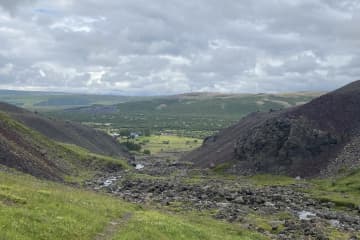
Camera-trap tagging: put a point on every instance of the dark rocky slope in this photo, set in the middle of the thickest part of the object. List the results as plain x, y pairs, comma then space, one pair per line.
67, 132
302, 141
25, 150
29, 151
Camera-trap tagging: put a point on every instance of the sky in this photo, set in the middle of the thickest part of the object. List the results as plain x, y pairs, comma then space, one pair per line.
142, 47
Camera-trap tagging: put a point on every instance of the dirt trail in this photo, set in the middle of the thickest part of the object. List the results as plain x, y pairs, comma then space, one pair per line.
113, 227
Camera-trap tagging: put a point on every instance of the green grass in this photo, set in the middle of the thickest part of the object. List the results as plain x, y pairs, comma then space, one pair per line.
31, 209
157, 144
343, 191
47, 101
80, 164
85, 155
94, 163
221, 168
271, 180
193, 116
152, 225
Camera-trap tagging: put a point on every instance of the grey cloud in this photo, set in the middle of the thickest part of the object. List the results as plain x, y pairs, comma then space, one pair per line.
12, 5
162, 47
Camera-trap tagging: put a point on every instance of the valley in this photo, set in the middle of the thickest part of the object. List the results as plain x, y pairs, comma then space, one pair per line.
166, 197
145, 183
275, 207
195, 115
179, 120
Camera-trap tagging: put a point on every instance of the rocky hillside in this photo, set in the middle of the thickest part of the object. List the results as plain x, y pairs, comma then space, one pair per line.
66, 131
301, 141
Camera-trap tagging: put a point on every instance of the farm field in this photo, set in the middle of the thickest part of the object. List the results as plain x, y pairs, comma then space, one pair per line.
161, 143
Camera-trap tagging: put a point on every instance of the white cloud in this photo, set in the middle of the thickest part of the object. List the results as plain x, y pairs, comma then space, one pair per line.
76, 24
42, 73
176, 60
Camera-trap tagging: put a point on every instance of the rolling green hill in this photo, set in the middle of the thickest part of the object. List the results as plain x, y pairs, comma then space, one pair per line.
197, 114
42, 101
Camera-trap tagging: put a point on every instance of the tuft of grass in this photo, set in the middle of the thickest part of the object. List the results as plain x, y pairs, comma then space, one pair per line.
8, 198
265, 222
221, 168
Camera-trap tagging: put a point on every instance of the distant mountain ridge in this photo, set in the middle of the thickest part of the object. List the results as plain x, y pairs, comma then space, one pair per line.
300, 141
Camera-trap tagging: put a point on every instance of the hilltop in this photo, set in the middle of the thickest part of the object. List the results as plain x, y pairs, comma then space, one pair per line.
318, 137
56, 100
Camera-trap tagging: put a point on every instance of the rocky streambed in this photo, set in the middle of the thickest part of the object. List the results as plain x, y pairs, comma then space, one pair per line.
279, 212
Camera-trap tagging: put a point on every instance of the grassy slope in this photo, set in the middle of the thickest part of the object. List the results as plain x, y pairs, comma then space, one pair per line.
93, 162
153, 225
51, 101
344, 191
76, 162
34, 209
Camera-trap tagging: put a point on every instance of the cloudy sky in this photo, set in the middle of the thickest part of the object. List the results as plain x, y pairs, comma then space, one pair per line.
137, 47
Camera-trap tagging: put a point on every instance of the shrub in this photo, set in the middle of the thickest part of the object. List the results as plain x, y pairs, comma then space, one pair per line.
132, 146
147, 152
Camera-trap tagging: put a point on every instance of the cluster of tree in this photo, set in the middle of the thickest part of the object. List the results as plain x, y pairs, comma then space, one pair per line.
132, 146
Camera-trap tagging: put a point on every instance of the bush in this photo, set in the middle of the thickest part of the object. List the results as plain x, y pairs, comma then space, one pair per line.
147, 152
125, 133
132, 146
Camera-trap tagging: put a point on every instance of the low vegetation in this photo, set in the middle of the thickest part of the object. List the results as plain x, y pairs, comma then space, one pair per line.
35, 209
47, 157
163, 143
262, 180
153, 225
344, 191
196, 115
45, 101
94, 163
